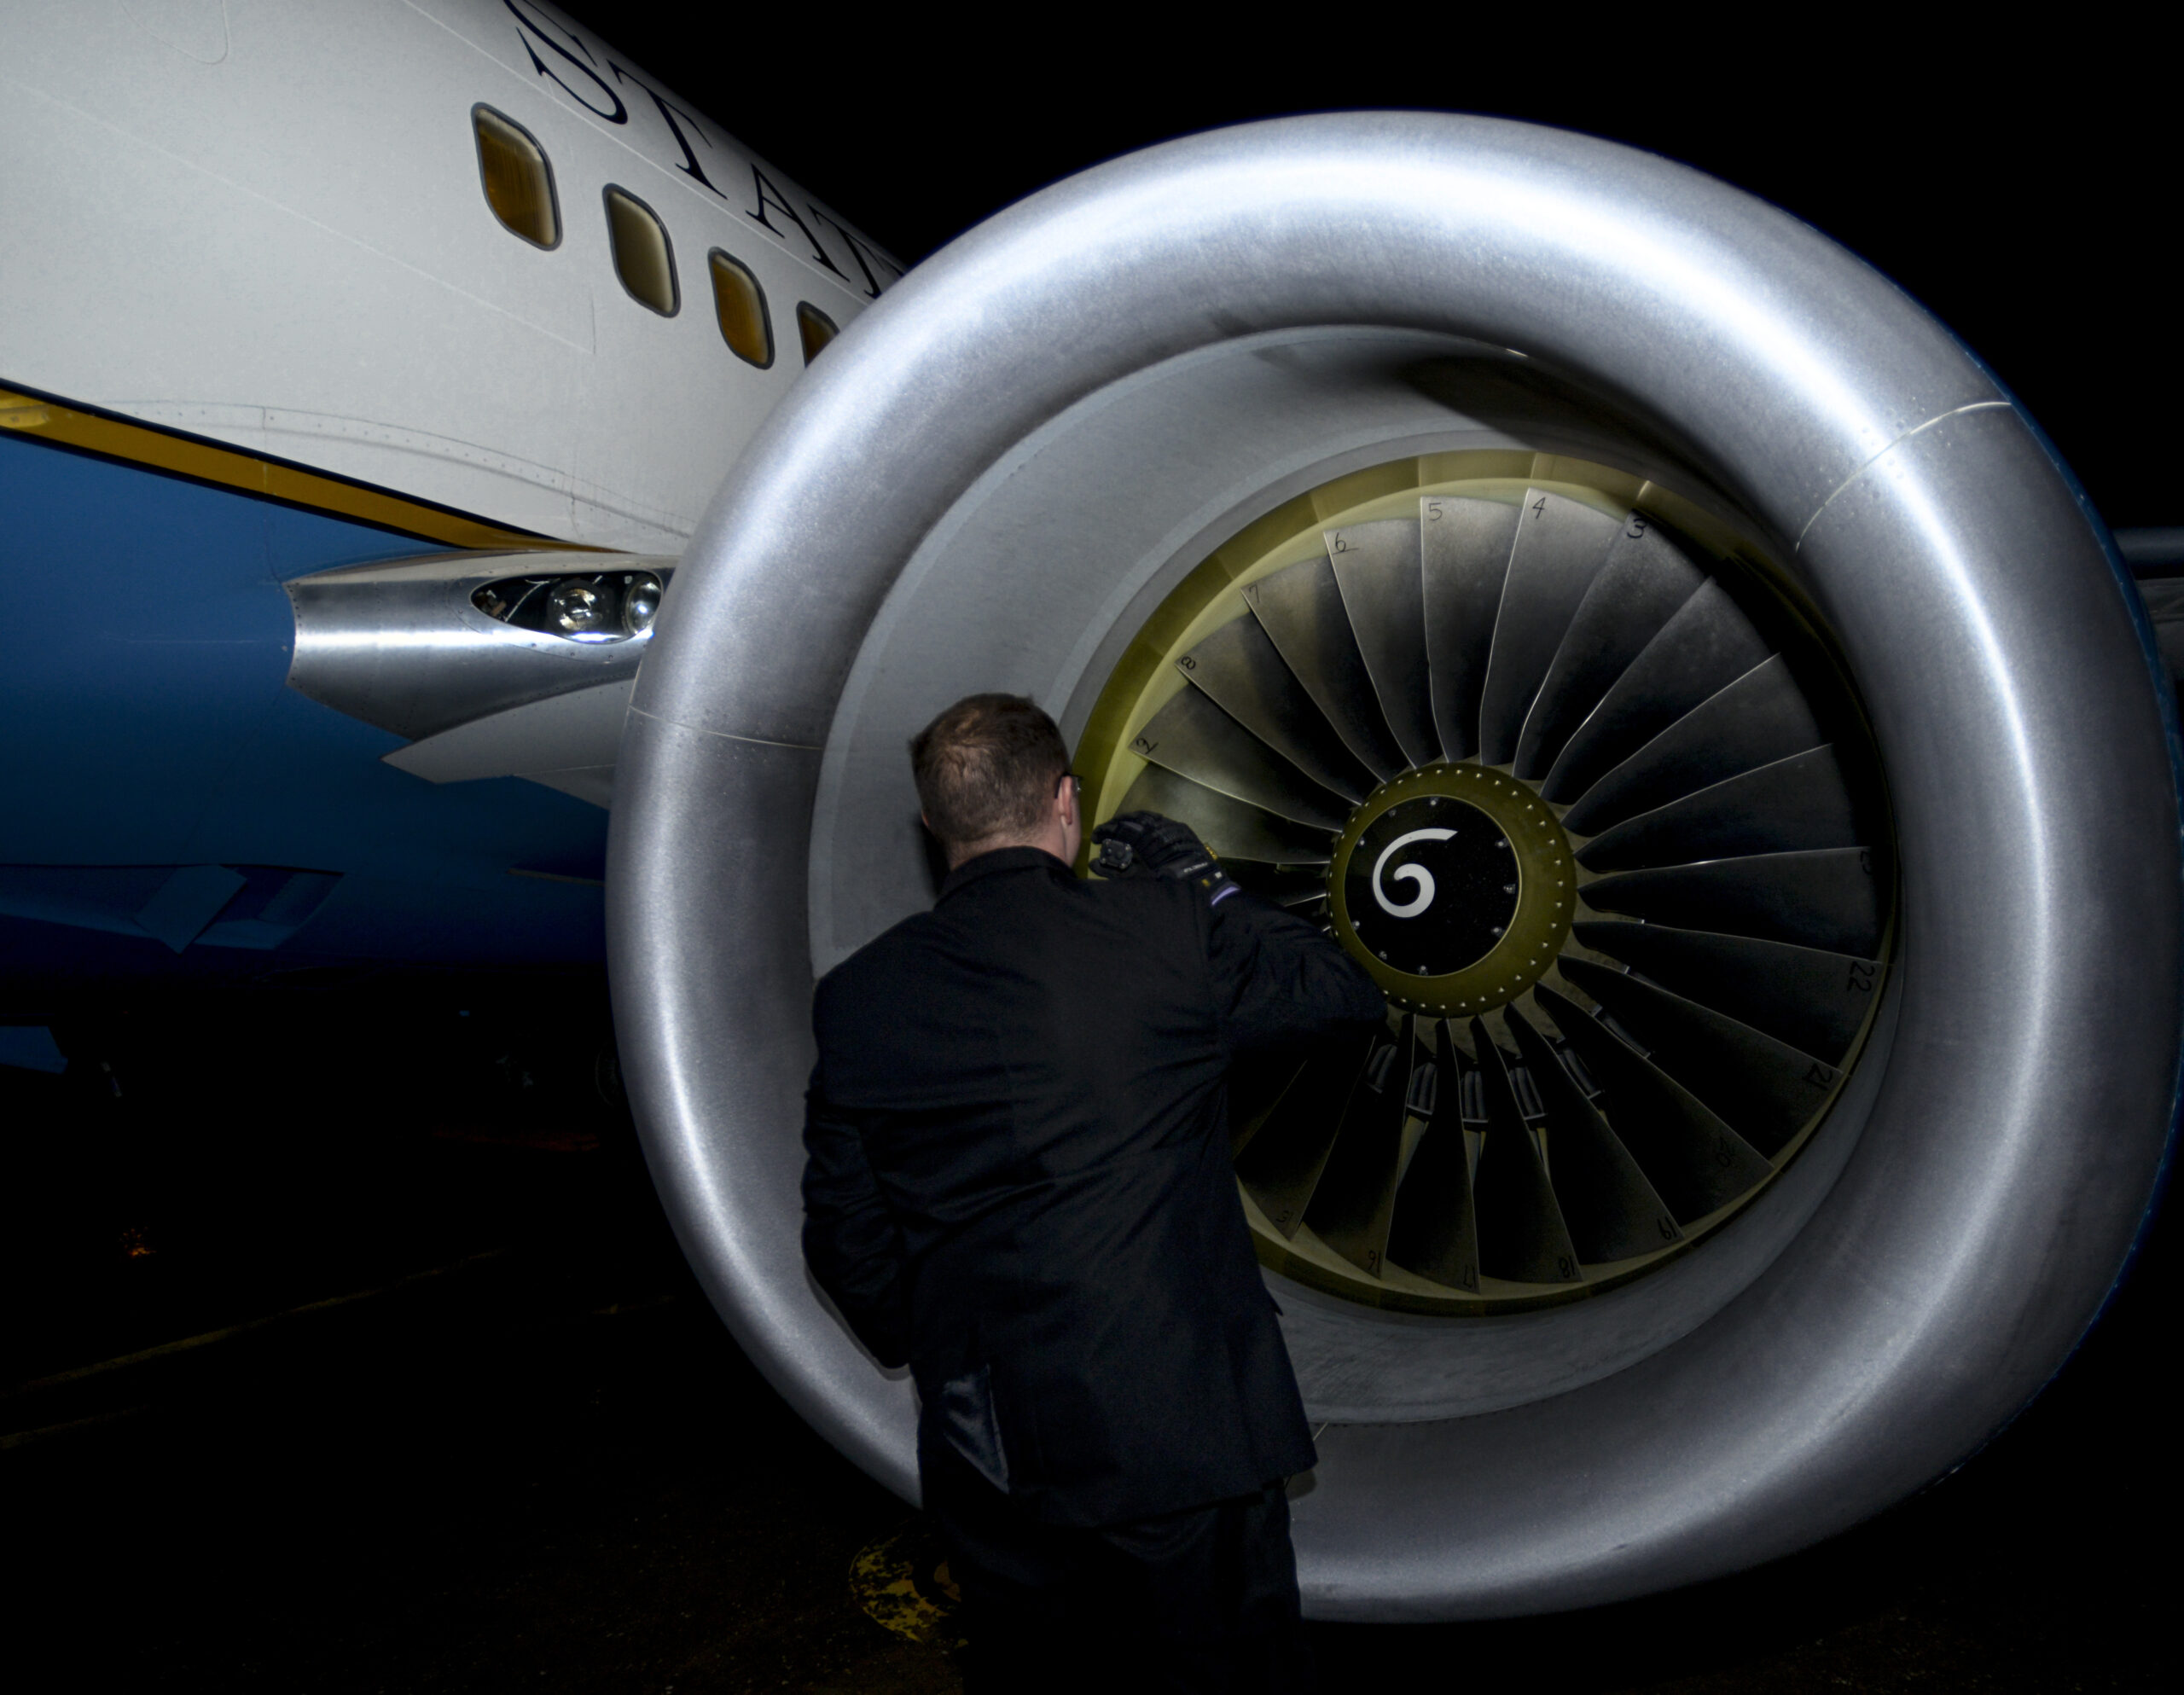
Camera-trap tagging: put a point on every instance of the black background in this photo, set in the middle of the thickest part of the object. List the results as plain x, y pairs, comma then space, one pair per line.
2022, 183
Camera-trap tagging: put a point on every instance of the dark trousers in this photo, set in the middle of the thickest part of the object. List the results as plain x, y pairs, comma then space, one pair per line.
1200, 1600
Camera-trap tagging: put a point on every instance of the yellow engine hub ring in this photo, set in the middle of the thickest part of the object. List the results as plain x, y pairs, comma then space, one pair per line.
1523, 876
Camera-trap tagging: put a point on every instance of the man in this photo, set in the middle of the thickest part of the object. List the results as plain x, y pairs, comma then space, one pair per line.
1018, 1182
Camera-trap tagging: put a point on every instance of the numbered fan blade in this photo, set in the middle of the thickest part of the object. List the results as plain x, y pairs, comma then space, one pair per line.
1695, 1161
1464, 549
1434, 1231
1281, 1165
1559, 546
1767, 1089
1253, 1092
1301, 608
1815, 1002
1298, 887
1798, 803
1612, 1211
1351, 1206
1707, 646
1827, 899
1238, 668
1376, 565
1758, 719
1229, 827
1521, 1236
1193, 738
1645, 579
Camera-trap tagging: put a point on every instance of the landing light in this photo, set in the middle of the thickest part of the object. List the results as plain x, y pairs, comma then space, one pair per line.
613, 605
576, 610
641, 604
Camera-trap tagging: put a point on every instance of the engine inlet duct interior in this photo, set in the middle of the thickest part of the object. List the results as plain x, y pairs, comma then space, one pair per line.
1660, 653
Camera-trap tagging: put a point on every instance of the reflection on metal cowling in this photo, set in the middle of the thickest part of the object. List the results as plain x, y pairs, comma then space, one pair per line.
1630, 1086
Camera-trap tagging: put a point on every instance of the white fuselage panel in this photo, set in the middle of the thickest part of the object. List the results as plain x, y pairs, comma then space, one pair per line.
263, 224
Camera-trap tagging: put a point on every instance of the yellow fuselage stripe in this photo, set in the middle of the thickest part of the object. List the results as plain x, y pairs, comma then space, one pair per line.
204, 461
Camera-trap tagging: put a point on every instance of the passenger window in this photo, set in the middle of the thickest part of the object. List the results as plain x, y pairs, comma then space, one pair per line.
742, 305
519, 182
816, 329
642, 257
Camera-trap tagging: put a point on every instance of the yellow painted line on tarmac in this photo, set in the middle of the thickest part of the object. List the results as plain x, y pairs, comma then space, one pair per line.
185, 1344
24, 1438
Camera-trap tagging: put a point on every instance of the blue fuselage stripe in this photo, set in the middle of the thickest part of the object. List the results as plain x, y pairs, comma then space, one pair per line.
152, 726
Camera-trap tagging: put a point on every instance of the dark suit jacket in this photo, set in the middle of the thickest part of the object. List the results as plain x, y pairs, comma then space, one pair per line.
1018, 1178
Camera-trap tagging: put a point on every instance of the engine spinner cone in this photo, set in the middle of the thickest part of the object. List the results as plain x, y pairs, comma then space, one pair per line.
1454, 886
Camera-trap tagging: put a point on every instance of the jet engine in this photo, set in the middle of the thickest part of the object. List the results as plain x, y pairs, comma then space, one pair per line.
1662, 654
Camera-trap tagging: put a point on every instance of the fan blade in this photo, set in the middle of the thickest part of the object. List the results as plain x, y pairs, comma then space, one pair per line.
1434, 1232
1757, 720
1227, 826
1644, 580
1521, 1235
1707, 646
1797, 803
1767, 1090
1827, 899
1301, 607
1238, 669
1815, 1002
1350, 1208
1561, 545
1193, 738
1376, 566
1464, 556
1293, 886
1254, 1091
1281, 1165
1695, 1162
1611, 1209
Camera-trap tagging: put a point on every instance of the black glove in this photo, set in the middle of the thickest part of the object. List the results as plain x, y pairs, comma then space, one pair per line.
1147, 845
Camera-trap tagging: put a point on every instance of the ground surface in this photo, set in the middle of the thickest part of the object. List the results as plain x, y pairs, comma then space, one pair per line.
544, 1463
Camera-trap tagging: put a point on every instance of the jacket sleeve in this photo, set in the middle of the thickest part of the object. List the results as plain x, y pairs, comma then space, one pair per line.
850, 1239
1278, 978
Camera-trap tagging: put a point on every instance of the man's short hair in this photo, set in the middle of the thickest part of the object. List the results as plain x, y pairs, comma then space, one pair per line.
988, 766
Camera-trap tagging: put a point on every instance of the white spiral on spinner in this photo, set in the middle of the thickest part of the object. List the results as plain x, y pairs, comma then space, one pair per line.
1416, 874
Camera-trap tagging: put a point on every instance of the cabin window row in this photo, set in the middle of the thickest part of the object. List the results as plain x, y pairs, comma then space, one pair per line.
518, 183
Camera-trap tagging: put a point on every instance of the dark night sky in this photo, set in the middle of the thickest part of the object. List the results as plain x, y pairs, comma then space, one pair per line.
2017, 189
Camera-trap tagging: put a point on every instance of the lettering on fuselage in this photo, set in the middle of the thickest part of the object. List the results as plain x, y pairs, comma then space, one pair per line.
598, 90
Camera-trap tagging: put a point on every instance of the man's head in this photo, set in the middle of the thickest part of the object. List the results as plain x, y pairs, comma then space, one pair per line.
992, 772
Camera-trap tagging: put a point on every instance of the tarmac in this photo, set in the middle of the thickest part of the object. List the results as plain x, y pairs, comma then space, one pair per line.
407, 1389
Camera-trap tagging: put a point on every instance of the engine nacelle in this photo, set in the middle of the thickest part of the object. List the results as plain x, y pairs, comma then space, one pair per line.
1072, 448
